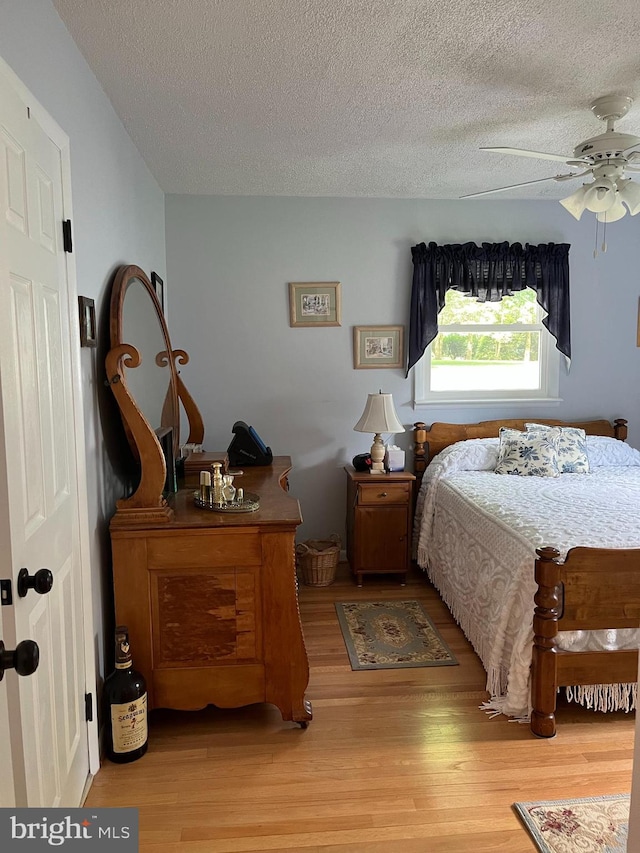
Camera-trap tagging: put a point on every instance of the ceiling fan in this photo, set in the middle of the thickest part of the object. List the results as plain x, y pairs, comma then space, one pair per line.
605, 158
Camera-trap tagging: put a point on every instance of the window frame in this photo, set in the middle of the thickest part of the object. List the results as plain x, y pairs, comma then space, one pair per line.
549, 370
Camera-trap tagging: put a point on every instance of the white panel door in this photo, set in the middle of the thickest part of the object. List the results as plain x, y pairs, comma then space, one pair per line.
47, 716
7, 793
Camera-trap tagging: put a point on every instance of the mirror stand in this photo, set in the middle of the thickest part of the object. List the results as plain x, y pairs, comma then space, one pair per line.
196, 424
142, 371
146, 503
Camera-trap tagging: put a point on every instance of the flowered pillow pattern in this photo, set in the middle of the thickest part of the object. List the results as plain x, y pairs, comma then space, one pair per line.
529, 454
572, 448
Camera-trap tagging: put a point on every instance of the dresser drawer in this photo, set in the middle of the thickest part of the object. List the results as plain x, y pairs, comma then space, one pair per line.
203, 549
372, 494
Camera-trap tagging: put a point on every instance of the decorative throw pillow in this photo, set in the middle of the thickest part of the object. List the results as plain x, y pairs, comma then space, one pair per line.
532, 454
572, 448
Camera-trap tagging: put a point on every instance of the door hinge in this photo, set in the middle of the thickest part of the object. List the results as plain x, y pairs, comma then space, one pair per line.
6, 593
67, 242
88, 707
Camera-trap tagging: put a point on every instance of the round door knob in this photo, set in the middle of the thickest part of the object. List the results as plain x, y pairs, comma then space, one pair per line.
41, 582
24, 659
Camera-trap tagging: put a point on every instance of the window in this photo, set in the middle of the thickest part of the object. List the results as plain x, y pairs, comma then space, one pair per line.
489, 351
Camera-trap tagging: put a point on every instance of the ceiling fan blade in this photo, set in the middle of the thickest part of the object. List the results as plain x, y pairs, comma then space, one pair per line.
521, 152
524, 184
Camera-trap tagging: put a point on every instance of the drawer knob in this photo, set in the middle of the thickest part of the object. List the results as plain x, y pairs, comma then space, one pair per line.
382, 495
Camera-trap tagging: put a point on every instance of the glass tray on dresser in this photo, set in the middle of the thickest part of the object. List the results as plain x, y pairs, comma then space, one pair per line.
251, 503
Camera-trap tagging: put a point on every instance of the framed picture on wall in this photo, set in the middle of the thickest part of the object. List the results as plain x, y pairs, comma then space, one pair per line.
378, 346
314, 303
158, 286
87, 312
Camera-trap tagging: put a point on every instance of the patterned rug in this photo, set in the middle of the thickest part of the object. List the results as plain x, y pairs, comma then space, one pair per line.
590, 825
391, 634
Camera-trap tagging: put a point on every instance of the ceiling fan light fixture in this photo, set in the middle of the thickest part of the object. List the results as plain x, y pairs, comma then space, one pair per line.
600, 195
604, 158
574, 203
615, 212
629, 193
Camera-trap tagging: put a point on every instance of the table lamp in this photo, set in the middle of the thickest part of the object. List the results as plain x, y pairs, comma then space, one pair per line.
379, 416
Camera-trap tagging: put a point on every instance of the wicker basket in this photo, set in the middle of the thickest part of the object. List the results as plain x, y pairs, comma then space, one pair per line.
318, 559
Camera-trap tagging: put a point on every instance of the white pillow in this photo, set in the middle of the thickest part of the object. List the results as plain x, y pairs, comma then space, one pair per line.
572, 448
472, 454
605, 451
529, 454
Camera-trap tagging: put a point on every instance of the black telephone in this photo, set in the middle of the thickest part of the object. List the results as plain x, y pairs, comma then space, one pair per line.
247, 448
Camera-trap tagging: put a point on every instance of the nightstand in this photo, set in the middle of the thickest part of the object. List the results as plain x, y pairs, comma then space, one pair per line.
379, 522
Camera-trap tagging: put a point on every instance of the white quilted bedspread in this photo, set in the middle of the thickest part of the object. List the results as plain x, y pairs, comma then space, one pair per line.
477, 534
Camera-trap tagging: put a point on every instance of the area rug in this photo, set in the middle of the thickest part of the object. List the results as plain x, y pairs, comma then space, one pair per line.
390, 635
590, 825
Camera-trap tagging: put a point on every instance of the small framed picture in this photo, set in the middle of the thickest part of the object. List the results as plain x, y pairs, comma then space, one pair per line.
314, 303
158, 286
87, 312
378, 346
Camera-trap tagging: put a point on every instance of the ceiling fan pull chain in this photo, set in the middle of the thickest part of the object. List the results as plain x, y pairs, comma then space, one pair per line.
604, 234
595, 248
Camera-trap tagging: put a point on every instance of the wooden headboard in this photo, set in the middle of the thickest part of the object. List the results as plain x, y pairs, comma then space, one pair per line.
427, 441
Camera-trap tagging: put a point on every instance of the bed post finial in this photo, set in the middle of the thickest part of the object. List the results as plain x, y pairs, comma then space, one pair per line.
620, 429
420, 451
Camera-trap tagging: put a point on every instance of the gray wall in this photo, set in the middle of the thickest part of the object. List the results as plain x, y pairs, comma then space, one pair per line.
118, 218
229, 261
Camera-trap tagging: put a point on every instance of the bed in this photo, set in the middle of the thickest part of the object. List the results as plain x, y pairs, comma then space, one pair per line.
541, 573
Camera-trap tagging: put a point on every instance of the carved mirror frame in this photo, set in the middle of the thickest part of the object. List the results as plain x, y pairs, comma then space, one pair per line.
147, 503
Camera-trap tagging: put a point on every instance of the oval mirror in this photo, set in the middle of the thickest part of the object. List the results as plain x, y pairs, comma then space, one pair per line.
137, 320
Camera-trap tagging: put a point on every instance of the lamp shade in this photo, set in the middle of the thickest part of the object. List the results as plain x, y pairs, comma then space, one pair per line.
574, 203
629, 193
379, 415
600, 195
615, 212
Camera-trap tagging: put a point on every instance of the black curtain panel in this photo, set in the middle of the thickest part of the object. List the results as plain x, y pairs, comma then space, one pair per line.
488, 273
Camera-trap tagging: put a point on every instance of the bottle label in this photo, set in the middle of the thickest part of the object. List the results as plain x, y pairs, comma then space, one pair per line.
129, 725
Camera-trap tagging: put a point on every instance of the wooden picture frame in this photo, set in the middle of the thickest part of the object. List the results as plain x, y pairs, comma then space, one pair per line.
87, 315
375, 347
158, 286
314, 303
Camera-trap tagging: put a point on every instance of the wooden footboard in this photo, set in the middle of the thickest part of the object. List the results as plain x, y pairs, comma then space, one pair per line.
594, 588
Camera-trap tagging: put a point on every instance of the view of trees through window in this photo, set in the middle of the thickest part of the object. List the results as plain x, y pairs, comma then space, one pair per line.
487, 345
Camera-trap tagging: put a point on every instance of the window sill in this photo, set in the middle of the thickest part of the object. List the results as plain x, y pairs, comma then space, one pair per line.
486, 401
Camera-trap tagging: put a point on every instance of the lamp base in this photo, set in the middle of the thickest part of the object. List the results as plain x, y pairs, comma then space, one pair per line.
377, 455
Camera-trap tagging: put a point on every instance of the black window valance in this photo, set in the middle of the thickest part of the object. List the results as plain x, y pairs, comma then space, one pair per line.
488, 272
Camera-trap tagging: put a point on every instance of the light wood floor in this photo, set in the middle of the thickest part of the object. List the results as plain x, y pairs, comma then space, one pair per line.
394, 761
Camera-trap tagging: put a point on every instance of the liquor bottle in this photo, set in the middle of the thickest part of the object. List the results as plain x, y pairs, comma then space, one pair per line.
125, 702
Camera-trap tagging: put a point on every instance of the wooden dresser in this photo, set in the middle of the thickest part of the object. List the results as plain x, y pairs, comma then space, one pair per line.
210, 600
379, 518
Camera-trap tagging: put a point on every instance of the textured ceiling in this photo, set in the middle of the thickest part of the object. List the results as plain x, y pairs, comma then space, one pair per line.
388, 98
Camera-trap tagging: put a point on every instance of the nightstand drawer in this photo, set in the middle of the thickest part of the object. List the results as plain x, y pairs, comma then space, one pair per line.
371, 494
